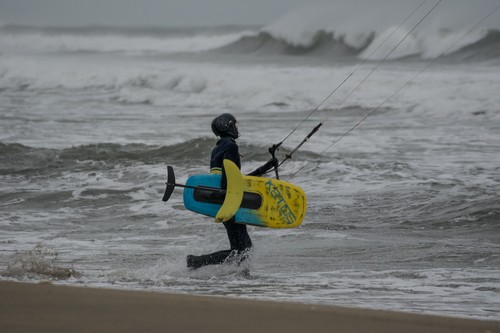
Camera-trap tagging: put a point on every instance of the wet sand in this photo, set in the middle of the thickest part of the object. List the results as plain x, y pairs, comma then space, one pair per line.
47, 308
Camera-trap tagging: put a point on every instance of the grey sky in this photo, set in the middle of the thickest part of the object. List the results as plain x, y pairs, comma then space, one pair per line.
186, 12
143, 12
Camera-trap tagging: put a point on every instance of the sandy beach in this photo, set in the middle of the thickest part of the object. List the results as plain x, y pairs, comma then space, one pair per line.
47, 308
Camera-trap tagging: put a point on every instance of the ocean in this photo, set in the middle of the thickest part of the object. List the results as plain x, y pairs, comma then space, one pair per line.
403, 212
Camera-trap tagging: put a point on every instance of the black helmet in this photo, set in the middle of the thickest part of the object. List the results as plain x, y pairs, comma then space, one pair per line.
225, 125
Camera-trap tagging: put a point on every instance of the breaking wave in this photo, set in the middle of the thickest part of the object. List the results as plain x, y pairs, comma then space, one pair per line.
480, 45
373, 34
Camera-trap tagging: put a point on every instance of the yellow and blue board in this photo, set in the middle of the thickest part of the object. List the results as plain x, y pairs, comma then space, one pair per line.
263, 202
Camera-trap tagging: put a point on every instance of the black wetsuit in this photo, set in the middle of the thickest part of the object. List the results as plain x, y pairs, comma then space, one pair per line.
239, 240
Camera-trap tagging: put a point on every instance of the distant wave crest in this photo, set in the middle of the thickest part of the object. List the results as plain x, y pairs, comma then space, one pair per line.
127, 41
482, 45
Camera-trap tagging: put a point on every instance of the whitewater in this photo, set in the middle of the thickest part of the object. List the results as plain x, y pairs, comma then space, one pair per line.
403, 213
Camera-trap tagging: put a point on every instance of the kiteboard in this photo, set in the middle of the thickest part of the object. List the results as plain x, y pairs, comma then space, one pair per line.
257, 201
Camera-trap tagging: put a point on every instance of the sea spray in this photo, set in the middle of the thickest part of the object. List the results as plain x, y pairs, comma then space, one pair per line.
40, 261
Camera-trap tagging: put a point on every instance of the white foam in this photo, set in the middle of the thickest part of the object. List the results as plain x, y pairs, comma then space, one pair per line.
212, 86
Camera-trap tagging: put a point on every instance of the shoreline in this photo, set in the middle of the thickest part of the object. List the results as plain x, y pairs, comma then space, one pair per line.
43, 307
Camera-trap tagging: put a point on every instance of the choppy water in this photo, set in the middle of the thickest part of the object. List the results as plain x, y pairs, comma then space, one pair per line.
403, 213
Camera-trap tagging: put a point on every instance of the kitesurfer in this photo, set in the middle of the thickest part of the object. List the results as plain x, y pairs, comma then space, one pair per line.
225, 127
